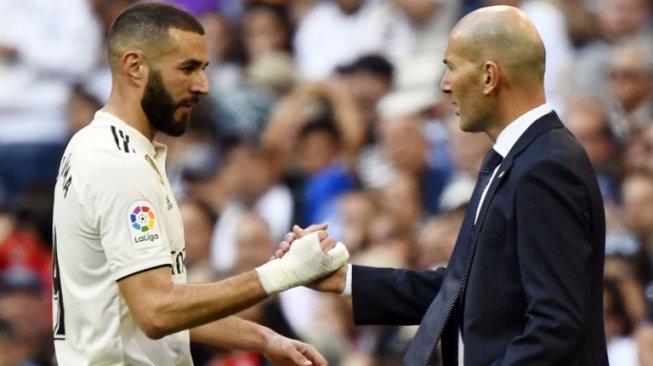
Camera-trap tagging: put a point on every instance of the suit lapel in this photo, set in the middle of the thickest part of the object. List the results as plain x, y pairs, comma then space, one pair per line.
545, 123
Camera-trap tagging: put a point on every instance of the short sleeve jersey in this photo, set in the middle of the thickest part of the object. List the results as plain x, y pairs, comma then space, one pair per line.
114, 216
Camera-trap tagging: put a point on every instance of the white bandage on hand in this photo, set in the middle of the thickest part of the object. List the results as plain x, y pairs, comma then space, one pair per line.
304, 263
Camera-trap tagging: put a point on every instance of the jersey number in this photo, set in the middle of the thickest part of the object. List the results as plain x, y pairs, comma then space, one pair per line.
59, 325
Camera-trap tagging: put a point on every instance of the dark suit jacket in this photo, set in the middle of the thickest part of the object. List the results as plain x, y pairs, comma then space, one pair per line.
534, 292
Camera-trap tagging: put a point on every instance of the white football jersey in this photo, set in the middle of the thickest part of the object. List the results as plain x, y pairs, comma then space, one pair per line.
114, 216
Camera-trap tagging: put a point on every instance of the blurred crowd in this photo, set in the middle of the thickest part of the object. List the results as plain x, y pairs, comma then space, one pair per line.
323, 111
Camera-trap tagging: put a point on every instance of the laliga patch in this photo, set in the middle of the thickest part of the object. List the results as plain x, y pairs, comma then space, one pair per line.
144, 225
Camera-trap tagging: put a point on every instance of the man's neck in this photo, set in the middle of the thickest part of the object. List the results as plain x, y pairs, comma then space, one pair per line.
131, 113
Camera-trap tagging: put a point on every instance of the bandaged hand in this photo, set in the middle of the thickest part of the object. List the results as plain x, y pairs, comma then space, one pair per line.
296, 233
304, 262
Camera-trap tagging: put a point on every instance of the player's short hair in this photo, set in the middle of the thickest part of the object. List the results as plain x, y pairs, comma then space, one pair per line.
145, 26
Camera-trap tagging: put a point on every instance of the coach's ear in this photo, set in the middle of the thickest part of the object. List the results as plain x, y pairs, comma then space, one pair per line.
135, 67
491, 77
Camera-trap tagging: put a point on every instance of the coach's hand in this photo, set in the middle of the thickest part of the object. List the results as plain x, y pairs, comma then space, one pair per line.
308, 258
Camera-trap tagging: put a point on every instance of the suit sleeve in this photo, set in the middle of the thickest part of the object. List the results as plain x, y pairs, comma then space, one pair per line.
392, 296
555, 247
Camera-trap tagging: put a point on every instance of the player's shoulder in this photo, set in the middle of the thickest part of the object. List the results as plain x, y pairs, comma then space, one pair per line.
104, 134
107, 147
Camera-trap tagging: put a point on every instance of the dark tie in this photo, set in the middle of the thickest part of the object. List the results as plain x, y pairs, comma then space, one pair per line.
422, 348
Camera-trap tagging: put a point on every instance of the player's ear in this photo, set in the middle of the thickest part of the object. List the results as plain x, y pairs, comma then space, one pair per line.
135, 67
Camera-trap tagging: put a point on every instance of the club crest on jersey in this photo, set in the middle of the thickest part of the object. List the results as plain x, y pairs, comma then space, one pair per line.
144, 228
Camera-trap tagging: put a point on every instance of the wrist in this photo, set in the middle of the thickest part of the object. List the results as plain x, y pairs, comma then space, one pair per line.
265, 338
345, 280
339, 284
273, 277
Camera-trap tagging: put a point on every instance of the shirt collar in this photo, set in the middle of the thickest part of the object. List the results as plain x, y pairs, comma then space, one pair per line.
136, 137
509, 136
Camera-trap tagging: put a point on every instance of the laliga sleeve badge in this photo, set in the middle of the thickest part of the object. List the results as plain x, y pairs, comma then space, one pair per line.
144, 225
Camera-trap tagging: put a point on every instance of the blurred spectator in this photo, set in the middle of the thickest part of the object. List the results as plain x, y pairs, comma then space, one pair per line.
310, 102
389, 245
630, 73
274, 71
414, 96
81, 108
224, 71
436, 238
254, 246
638, 154
319, 147
108, 10
467, 151
22, 306
314, 136
617, 20
368, 79
401, 198
265, 29
632, 271
98, 81
27, 239
11, 352
254, 243
551, 24
337, 334
637, 203
355, 210
198, 220
45, 47
334, 33
623, 18
253, 185
622, 347
404, 143
193, 157
243, 111
431, 22
581, 21
589, 120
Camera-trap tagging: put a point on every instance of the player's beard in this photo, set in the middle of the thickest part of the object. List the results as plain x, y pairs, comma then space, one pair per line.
160, 108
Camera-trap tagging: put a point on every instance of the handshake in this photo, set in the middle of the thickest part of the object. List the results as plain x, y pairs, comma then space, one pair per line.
304, 256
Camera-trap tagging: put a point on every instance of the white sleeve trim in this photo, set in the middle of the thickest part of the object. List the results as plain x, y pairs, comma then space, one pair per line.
141, 266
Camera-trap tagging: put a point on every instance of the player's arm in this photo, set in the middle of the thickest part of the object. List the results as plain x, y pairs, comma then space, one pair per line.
161, 307
254, 337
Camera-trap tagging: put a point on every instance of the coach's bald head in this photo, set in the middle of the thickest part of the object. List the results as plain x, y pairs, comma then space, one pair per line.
507, 36
495, 68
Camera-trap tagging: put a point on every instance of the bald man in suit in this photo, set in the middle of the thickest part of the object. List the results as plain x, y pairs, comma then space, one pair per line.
524, 284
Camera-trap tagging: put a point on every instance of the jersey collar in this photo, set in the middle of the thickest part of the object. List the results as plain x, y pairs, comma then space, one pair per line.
137, 138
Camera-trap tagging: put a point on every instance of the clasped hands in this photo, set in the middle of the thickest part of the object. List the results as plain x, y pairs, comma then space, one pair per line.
306, 255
